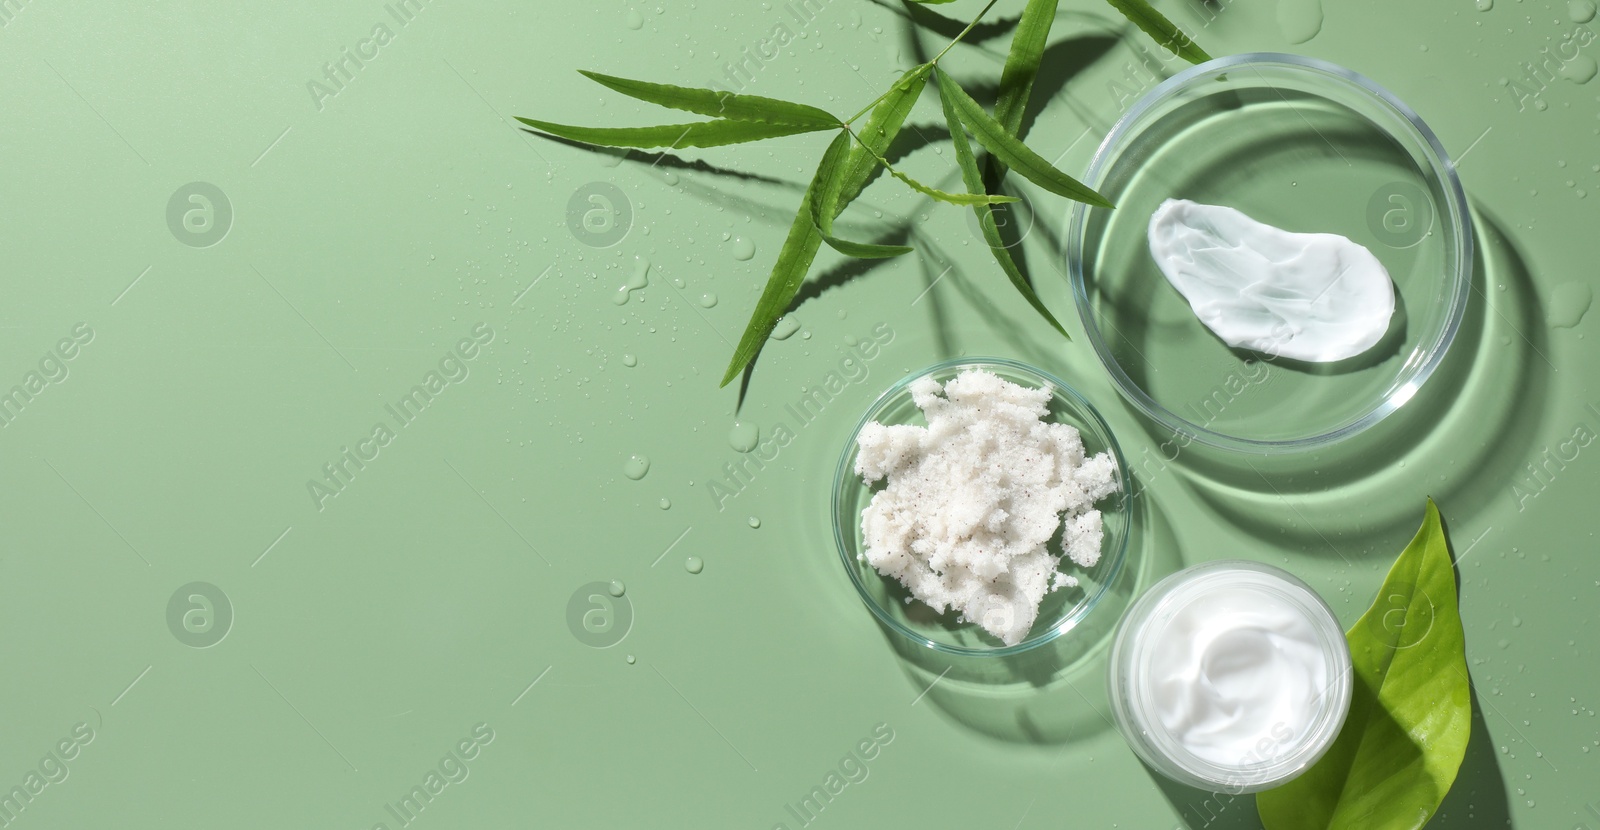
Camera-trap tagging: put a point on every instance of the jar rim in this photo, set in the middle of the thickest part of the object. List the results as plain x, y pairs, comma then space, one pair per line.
1132, 695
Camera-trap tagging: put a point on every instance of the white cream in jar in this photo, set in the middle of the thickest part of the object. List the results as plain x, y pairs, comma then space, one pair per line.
1230, 676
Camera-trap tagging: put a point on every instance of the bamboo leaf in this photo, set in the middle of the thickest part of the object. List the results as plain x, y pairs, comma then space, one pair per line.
1016, 79
1410, 712
828, 173
794, 260
1008, 149
978, 198
718, 104
672, 136
974, 181
1163, 31
880, 130
888, 115
865, 250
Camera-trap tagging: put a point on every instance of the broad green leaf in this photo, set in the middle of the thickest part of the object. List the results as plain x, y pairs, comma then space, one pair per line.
1410, 707
672, 136
718, 104
979, 198
1008, 149
887, 117
828, 174
1164, 31
1022, 67
974, 181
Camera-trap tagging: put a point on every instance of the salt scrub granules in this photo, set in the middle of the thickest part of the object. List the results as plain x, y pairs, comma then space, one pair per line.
974, 498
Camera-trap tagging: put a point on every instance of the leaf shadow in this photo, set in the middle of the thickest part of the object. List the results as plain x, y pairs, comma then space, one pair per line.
665, 160
1478, 798
948, 27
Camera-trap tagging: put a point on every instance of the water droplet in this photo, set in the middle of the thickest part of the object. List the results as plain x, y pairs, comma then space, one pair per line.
665, 504
1580, 70
1541, 105
669, 176
1299, 20
630, 659
1568, 303
616, 588
743, 249
693, 565
635, 20
785, 329
630, 361
637, 280
1581, 11
635, 467
744, 436
1484, 5
755, 522
708, 300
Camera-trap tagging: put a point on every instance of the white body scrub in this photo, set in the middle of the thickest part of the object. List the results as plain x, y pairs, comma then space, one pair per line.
974, 498
1305, 296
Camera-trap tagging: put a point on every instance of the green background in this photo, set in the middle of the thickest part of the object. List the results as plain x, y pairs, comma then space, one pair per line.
374, 228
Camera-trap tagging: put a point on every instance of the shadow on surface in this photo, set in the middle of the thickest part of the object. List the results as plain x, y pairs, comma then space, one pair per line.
1479, 797
665, 161
922, 17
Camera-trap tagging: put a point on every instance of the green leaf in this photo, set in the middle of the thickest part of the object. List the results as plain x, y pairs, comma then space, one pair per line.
978, 198
718, 104
887, 117
1008, 149
1164, 31
794, 260
672, 136
800, 247
974, 180
1022, 67
1410, 707
828, 174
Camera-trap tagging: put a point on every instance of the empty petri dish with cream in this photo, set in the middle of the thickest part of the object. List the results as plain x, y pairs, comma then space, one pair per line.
1230, 676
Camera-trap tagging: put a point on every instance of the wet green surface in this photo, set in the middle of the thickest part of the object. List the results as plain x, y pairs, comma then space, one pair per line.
444, 606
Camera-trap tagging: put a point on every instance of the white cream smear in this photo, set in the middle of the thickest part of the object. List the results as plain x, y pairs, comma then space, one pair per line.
974, 498
1237, 674
1305, 296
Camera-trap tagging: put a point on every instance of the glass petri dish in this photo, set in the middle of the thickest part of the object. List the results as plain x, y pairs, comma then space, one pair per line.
1303, 145
893, 605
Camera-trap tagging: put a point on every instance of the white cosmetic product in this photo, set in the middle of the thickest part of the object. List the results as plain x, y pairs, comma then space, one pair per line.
1230, 676
975, 498
1305, 296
